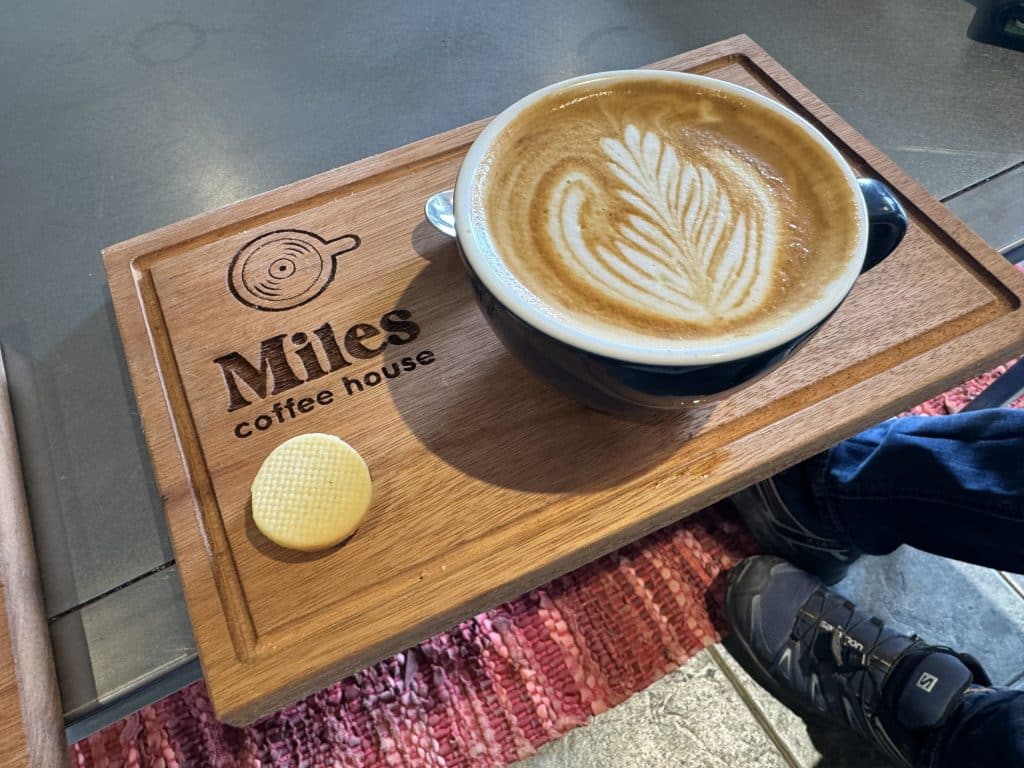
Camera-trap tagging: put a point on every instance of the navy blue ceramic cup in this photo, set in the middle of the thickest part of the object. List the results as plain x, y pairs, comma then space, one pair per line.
639, 382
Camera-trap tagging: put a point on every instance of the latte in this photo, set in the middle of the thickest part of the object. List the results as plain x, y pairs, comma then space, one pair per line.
662, 212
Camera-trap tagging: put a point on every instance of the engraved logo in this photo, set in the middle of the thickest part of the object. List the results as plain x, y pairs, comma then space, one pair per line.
686, 246
927, 682
286, 268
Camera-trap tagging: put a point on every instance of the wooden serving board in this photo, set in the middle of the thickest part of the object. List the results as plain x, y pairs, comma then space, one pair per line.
486, 481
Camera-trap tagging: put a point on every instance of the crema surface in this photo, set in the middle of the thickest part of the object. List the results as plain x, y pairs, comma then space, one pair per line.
647, 208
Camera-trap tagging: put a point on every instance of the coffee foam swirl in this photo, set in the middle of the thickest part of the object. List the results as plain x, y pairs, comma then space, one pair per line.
685, 247
656, 213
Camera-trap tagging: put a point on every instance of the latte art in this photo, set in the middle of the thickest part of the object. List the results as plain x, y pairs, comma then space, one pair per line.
662, 213
685, 248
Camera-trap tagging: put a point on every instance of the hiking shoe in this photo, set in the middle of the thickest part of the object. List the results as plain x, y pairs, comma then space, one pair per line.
825, 659
780, 514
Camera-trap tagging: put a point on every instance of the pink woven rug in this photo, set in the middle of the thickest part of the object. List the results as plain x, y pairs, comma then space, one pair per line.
486, 693
495, 688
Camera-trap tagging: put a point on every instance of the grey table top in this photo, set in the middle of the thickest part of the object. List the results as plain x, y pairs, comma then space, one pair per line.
123, 116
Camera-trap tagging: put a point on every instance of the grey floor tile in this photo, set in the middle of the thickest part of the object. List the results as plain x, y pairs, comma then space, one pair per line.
1018, 581
964, 606
692, 718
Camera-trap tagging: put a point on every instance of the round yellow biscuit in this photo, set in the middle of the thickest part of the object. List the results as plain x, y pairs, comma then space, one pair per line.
311, 492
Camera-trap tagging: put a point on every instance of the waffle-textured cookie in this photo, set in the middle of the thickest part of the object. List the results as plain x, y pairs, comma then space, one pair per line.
311, 492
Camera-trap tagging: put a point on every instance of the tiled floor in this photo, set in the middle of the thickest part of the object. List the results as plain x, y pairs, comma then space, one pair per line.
710, 713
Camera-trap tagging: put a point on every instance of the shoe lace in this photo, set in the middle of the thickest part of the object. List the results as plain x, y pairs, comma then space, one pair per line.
863, 698
850, 659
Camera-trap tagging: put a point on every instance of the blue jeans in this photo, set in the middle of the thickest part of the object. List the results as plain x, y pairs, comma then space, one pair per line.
950, 485
954, 486
987, 731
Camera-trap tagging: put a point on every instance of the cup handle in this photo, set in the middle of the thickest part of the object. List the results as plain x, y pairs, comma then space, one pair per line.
887, 221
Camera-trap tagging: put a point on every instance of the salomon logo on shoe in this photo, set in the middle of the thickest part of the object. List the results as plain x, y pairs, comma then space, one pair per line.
927, 682
845, 639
